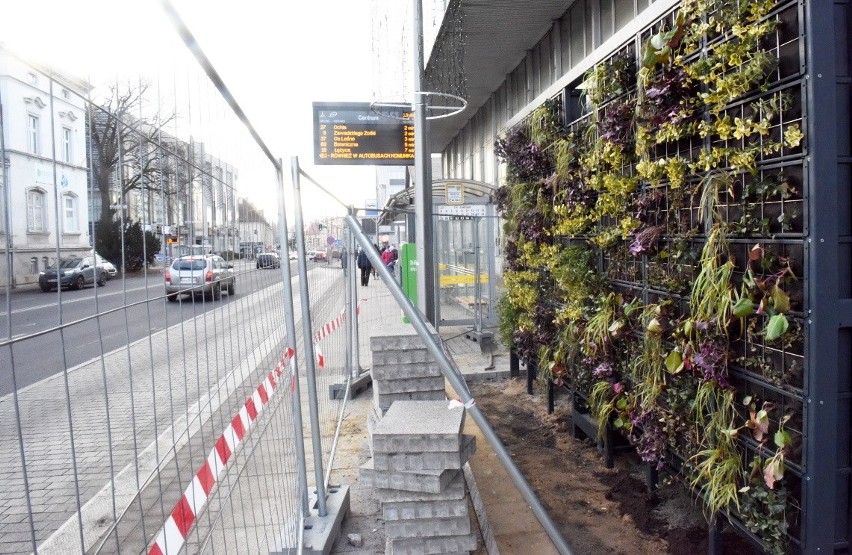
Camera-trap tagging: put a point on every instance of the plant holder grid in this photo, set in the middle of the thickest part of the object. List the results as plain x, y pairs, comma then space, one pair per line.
786, 238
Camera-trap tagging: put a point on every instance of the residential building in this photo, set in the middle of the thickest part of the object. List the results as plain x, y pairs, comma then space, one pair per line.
255, 232
174, 188
44, 185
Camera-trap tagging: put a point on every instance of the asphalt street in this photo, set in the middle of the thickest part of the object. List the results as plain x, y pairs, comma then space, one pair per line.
92, 321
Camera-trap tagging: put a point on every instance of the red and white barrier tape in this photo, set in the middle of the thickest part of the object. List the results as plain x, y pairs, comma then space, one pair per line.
329, 328
174, 532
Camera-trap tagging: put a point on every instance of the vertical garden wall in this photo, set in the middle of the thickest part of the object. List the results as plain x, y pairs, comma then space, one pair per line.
659, 259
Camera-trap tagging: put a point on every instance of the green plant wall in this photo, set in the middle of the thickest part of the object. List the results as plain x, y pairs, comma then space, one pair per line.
654, 253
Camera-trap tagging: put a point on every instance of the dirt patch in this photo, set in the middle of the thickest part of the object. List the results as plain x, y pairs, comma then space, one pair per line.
599, 510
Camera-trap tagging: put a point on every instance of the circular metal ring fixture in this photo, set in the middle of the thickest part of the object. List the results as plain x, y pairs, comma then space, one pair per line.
449, 105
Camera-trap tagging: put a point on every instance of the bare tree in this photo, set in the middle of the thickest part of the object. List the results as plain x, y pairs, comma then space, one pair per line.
120, 137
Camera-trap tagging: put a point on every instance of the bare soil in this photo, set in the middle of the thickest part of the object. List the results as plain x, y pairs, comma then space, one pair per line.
600, 510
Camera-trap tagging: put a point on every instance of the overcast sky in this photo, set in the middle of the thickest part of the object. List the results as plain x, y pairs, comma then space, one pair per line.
275, 56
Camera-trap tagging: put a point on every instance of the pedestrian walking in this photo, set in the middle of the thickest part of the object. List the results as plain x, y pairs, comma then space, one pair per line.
344, 258
378, 250
387, 259
365, 267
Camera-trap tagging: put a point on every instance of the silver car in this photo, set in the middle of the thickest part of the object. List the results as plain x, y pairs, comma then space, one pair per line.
206, 275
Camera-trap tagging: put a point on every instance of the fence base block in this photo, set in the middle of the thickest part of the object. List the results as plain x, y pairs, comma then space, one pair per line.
358, 385
321, 532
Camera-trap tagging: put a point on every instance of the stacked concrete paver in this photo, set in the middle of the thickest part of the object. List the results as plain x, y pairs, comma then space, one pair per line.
403, 369
418, 452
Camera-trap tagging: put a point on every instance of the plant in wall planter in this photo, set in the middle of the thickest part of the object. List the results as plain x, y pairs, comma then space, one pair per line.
764, 499
765, 295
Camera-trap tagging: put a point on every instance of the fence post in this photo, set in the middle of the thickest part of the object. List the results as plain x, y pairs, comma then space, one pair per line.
290, 322
307, 335
348, 308
353, 294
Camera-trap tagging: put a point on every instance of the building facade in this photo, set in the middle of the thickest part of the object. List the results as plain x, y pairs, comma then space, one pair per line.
567, 65
44, 187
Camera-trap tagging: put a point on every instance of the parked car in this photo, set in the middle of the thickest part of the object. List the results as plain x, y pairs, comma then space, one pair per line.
319, 256
268, 260
75, 272
293, 255
108, 267
206, 275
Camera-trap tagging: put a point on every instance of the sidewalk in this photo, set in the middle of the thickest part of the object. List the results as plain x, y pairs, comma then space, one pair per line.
508, 521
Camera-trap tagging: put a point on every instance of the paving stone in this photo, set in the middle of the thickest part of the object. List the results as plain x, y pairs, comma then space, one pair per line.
434, 460
383, 401
419, 427
432, 481
431, 546
397, 336
410, 510
454, 490
406, 385
408, 356
428, 527
401, 370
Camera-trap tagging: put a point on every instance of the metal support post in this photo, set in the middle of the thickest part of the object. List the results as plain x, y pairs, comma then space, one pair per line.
348, 310
290, 322
352, 286
307, 334
423, 180
460, 387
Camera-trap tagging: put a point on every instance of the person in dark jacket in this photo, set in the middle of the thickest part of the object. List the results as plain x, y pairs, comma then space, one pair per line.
365, 267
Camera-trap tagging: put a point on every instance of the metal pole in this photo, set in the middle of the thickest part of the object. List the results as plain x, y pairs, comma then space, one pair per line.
308, 335
349, 312
423, 180
290, 322
460, 388
7, 225
477, 285
354, 338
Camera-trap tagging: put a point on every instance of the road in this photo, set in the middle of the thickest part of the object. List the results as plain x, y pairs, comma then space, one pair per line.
130, 309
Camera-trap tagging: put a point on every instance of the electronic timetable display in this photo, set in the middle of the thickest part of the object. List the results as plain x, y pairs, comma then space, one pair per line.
350, 133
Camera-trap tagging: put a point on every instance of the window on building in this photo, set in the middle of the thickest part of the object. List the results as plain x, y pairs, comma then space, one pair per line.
624, 13
70, 221
578, 32
36, 210
33, 134
66, 145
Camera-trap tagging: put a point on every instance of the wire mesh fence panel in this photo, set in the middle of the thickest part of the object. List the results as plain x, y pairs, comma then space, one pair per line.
145, 388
